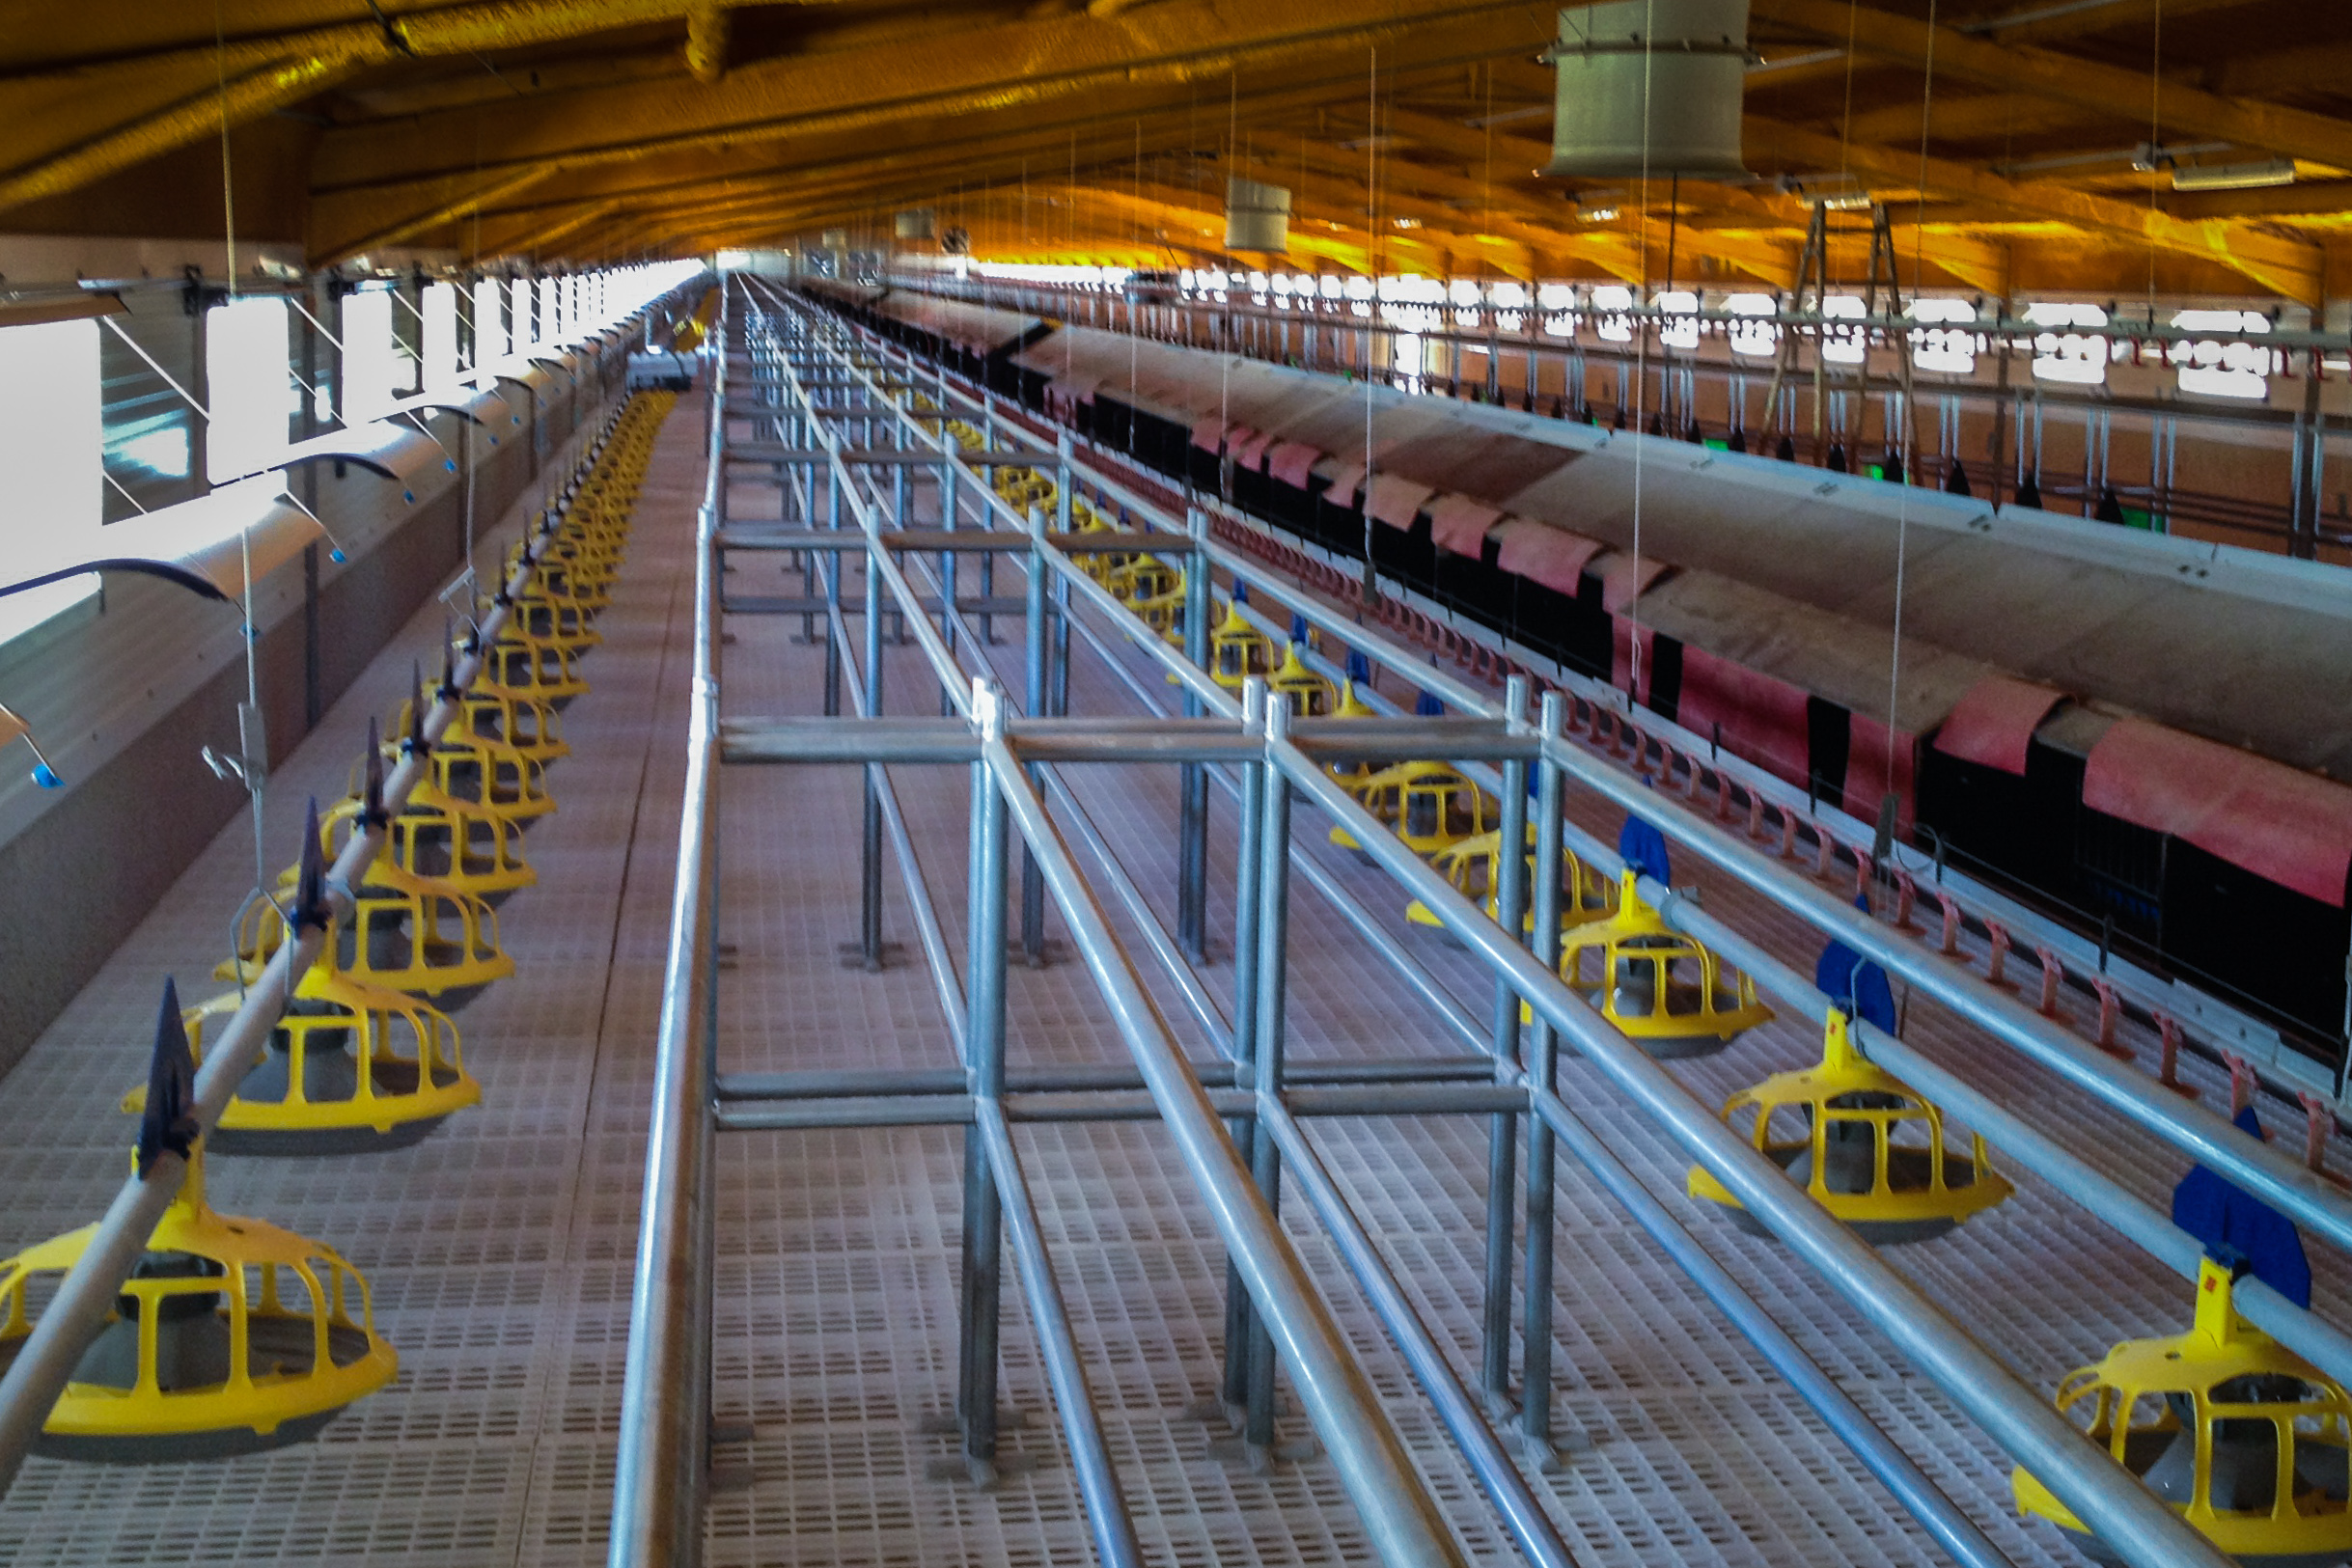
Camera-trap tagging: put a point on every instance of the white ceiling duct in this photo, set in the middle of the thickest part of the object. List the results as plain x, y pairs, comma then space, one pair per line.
1257, 216
1649, 87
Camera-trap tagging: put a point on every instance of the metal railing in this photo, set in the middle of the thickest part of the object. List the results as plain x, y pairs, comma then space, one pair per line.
1277, 1314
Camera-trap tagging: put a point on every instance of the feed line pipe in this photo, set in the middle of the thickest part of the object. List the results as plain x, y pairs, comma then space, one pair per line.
657, 1471
86, 1293
2267, 1171
2108, 1500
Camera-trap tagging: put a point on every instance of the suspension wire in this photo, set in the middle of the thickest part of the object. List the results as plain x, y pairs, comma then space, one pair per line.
2155, 138
1371, 242
253, 770
1902, 498
1641, 389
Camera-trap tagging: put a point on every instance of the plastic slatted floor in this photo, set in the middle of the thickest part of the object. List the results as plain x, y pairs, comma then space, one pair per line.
500, 1249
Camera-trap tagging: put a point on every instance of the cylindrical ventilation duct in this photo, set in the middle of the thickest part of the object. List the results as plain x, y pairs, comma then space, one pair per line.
915, 223
1649, 87
1257, 217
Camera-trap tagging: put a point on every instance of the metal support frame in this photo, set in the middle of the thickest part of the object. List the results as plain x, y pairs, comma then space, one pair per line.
1014, 765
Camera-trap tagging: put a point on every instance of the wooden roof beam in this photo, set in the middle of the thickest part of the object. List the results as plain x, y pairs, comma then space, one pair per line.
2087, 84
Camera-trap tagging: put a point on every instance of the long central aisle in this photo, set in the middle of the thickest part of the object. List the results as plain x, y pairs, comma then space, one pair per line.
498, 1248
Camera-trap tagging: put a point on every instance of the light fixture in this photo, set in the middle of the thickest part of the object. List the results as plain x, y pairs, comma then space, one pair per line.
2233, 175
1406, 223
1596, 214
1849, 202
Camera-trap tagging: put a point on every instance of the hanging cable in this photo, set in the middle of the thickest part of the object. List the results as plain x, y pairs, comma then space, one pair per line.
1641, 391
1903, 500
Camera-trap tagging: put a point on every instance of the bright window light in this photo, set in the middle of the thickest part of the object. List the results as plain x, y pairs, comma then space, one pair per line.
1844, 346
1755, 339
2069, 356
489, 323
1610, 300
2217, 369
550, 311
1951, 348
249, 387
522, 332
52, 450
440, 337
1681, 329
371, 361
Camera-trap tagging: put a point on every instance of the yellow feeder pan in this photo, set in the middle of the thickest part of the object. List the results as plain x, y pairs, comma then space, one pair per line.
2248, 1442
436, 834
519, 662
450, 840
1163, 612
1140, 577
416, 934
1238, 650
555, 620
1427, 805
406, 932
1863, 1143
1309, 693
486, 774
309, 1093
567, 582
1663, 991
231, 1336
524, 725
1469, 866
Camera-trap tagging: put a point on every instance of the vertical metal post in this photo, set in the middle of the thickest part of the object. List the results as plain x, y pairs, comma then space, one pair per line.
1192, 788
870, 853
1503, 1128
985, 1037
1066, 487
1536, 1393
1247, 866
1035, 696
1273, 952
832, 573
947, 560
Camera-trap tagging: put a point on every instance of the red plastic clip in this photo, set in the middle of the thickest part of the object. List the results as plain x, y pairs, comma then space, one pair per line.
2111, 1007
2243, 1081
2053, 973
2168, 1062
2319, 1121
